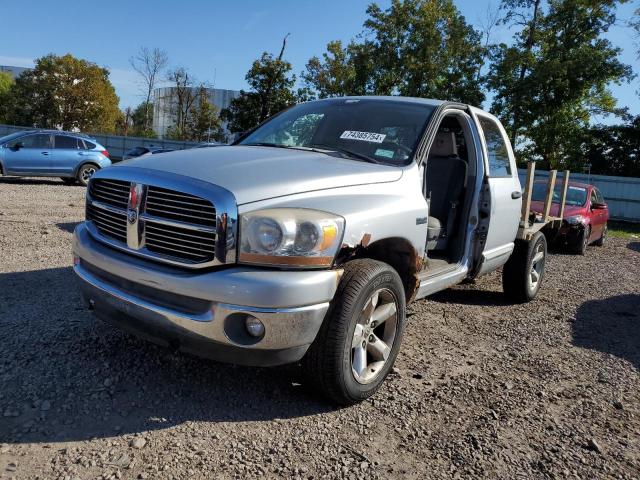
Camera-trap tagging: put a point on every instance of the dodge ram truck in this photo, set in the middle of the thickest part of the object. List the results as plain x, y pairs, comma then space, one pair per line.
304, 240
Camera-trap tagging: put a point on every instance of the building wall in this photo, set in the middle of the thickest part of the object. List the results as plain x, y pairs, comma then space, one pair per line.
622, 194
164, 97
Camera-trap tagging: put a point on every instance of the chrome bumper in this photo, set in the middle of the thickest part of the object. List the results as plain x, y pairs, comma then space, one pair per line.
197, 312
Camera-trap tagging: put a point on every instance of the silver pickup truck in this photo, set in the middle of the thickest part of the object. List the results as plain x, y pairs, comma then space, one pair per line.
305, 240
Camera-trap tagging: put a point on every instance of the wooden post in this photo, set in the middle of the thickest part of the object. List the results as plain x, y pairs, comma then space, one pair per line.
551, 185
528, 191
563, 198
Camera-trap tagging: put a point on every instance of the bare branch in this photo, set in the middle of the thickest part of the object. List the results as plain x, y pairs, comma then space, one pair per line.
148, 63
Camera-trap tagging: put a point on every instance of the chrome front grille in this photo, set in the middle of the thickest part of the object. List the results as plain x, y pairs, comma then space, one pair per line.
180, 206
108, 222
111, 192
194, 245
162, 223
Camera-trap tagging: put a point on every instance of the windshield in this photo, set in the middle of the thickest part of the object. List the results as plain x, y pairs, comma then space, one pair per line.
576, 196
381, 131
11, 136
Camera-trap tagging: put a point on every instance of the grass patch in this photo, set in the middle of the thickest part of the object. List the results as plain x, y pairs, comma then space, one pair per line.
624, 229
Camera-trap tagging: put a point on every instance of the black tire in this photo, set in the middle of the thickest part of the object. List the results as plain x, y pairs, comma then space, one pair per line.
85, 172
603, 237
327, 366
68, 180
580, 248
517, 273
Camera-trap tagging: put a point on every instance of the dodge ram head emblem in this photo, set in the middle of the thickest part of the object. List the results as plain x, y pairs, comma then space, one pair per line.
132, 216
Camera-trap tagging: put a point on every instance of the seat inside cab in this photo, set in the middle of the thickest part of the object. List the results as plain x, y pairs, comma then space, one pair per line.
447, 177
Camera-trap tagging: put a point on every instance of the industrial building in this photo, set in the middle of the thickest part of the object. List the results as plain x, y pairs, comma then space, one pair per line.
164, 100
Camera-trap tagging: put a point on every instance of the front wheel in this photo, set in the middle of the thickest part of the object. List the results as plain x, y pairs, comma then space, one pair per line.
359, 340
85, 173
523, 273
580, 247
603, 237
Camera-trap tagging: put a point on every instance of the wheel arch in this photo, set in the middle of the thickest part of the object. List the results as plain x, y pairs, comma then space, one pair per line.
397, 252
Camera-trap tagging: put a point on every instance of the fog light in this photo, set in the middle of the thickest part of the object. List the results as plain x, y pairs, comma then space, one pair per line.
254, 326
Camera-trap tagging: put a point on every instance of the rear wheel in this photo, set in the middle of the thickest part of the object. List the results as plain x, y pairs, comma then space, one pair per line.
603, 237
85, 173
523, 273
359, 340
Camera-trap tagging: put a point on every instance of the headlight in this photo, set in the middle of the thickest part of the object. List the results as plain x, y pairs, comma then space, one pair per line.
575, 220
290, 237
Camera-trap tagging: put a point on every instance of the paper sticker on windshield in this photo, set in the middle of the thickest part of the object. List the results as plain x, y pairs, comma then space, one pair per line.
363, 136
380, 152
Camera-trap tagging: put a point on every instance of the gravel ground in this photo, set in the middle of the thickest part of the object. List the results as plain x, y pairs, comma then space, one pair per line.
481, 388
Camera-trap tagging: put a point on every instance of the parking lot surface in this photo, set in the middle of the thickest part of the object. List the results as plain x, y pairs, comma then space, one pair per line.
482, 388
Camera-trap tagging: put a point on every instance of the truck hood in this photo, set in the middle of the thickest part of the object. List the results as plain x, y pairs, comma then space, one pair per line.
259, 173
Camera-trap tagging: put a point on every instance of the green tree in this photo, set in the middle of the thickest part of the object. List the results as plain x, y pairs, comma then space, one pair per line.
342, 70
204, 123
6, 83
271, 90
417, 48
65, 92
555, 77
139, 120
611, 149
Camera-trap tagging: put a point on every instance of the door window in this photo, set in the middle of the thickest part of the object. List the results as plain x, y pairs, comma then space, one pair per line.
499, 163
63, 141
88, 145
36, 141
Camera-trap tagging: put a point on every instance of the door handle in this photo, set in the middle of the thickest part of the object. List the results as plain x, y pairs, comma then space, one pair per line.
517, 194
45, 153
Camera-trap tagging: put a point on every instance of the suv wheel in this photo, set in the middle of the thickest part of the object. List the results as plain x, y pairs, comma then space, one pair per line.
523, 273
85, 173
359, 340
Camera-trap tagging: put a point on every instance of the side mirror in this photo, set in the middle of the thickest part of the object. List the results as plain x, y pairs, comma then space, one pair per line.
17, 146
598, 206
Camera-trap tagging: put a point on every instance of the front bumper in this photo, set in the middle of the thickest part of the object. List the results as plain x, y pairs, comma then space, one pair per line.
204, 312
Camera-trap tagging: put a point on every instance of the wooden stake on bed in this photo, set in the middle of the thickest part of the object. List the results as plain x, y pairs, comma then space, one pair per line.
563, 198
528, 191
551, 185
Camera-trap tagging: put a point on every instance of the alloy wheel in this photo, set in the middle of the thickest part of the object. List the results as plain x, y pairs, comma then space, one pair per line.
537, 267
87, 173
374, 336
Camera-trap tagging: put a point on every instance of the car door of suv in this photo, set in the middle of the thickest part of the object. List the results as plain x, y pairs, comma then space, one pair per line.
505, 193
67, 153
29, 155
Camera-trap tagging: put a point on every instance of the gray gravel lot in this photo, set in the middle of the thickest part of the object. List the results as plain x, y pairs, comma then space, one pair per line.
481, 388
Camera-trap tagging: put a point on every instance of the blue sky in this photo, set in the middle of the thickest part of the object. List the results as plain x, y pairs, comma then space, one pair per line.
215, 41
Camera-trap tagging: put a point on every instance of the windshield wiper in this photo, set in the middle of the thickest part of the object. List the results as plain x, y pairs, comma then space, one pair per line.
349, 153
322, 148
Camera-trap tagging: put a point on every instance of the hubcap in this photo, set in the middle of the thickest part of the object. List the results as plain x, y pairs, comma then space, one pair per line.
374, 335
537, 267
87, 173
